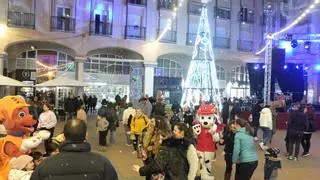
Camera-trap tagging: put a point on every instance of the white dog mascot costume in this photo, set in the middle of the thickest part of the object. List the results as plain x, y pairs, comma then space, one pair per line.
208, 132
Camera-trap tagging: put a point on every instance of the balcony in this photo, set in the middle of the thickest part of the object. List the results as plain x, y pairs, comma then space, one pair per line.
191, 39
222, 42
62, 23
167, 4
168, 37
21, 19
137, 2
135, 32
100, 28
244, 45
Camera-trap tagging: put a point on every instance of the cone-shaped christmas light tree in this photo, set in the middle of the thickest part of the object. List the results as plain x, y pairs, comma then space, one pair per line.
201, 84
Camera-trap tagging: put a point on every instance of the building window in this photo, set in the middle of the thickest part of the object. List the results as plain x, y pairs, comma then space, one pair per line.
96, 64
240, 74
21, 14
222, 13
28, 60
246, 15
168, 68
195, 7
167, 4
221, 74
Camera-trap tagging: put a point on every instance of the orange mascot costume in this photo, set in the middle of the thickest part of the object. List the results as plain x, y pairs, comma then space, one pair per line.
14, 115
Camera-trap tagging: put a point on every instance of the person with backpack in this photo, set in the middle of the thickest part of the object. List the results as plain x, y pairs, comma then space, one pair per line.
127, 117
137, 125
102, 124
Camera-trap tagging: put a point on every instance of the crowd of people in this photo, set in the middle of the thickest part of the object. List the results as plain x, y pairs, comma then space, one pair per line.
163, 136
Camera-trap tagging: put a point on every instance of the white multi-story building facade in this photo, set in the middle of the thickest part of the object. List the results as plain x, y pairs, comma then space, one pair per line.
110, 43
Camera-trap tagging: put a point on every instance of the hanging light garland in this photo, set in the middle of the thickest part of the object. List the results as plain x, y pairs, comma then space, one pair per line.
291, 25
169, 21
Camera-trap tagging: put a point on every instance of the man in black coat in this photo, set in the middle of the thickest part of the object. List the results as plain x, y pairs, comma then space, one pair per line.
256, 109
225, 111
75, 161
297, 124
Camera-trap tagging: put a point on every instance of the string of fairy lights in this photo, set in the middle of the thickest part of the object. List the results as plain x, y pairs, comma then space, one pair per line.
292, 24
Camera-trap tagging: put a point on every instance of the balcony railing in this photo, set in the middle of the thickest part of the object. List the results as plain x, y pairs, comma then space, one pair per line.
222, 42
167, 4
135, 32
62, 23
21, 19
137, 2
168, 37
244, 45
100, 28
191, 39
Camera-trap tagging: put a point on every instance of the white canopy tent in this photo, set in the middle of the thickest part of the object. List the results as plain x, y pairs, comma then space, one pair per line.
61, 81
6, 81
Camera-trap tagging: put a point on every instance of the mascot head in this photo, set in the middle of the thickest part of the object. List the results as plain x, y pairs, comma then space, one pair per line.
14, 114
206, 115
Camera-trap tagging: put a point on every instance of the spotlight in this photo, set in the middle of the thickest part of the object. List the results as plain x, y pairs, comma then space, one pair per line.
33, 47
306, 68
297, 66
307, 44
256, 67
264, 66
317, 67
285, 66
294, 43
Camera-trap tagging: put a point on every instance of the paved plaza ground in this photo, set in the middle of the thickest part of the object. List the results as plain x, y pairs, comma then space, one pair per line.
121, 157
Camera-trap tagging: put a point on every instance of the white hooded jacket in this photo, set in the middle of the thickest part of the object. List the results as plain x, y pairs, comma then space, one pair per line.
266, 118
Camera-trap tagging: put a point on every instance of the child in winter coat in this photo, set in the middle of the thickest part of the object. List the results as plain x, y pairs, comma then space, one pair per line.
228, 141
21, 168
272, 164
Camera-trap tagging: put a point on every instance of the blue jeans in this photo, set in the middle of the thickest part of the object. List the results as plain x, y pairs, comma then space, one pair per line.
267, 133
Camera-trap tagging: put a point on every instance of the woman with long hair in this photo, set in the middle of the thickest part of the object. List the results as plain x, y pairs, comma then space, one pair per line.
244, 151
310, 128
47, 121
177, 157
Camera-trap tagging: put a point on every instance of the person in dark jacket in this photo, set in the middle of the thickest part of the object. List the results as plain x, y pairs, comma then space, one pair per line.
305, 142
236, 110
228, 141
297, 123
256, 109
176, 108
225, 111
112, 117
187, 116
66, 165
177, 157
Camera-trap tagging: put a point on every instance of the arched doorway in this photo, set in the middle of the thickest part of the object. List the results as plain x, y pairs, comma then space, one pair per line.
169, 74
114, 71
34, 62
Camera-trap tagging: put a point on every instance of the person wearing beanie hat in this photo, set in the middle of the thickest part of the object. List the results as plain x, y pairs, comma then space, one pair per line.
21, 168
